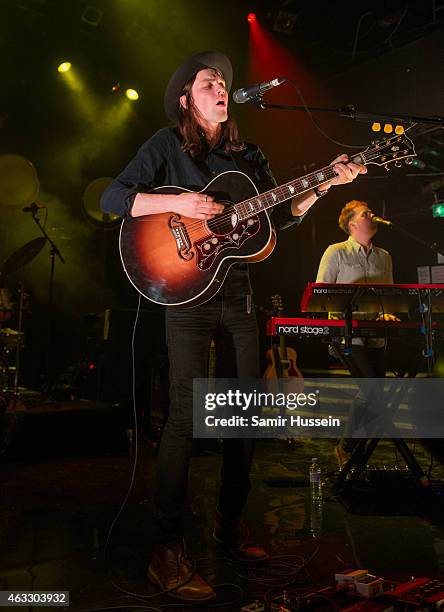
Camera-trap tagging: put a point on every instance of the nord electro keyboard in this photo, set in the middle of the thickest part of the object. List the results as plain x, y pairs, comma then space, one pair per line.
337, 297
331, 328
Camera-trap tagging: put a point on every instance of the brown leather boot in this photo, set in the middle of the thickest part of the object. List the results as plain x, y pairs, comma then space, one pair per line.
171, 568
235, 537
342, 456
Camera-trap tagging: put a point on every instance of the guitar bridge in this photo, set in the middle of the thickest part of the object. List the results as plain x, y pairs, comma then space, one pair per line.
180, 235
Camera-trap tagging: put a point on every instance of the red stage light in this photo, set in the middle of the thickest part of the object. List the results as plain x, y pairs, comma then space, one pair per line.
251, 17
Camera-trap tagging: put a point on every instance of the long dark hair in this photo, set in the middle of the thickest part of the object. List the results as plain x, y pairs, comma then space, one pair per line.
191, 130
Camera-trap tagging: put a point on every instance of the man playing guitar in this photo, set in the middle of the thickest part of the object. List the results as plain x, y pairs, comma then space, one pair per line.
203, 145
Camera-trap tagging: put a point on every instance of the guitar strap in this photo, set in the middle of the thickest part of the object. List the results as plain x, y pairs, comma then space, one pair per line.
242, 164
239, 161
237, 157
203, 166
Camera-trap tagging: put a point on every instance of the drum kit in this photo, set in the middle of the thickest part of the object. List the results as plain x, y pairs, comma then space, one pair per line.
19, 186
12, 340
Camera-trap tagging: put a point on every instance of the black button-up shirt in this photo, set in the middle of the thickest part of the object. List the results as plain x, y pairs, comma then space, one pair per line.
161, 161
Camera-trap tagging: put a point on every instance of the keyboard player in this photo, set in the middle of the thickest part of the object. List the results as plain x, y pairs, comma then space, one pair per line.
358, 260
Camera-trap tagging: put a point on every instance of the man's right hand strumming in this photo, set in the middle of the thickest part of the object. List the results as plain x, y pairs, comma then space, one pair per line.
189, 204
197, 205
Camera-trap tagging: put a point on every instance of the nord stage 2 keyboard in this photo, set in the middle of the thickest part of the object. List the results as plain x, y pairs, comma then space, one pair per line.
331, 328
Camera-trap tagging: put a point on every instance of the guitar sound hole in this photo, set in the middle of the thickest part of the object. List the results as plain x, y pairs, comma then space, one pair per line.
224, 223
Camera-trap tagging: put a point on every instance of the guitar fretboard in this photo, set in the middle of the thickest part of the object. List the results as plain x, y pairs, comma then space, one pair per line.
396, 148
275, 196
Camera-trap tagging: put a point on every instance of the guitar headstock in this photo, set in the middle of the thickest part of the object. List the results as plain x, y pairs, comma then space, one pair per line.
277, 305
390, 151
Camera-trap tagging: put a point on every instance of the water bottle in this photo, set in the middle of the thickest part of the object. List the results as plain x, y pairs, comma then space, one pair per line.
316, 518
315, 480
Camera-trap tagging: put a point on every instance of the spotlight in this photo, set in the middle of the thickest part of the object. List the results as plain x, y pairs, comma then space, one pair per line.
64, 67
438, 209
418, 163
132, 94
284, 22
92, 16
251, 17
388, 128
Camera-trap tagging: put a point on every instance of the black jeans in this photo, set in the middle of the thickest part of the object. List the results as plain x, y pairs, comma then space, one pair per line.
189, 334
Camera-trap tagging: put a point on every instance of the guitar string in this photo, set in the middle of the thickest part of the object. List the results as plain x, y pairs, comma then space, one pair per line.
224, 217
192, 227
218, 222
368, 157
199, 224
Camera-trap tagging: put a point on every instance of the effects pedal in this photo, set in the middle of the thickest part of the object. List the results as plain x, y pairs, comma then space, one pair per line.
350, 576
419, 592
369, 606
282, 603
369, 586
256, 606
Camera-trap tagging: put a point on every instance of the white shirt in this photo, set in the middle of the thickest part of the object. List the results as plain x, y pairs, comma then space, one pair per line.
349, 262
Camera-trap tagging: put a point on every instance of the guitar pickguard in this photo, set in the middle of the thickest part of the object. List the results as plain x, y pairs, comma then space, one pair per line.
208, 248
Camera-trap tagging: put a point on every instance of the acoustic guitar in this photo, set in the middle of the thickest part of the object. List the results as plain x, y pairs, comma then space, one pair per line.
281, 360
178, 261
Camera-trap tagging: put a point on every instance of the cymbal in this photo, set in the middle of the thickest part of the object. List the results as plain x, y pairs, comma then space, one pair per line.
23, 255
19, 183
91, 203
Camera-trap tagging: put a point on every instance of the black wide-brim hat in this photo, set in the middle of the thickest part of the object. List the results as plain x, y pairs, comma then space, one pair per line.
189, 68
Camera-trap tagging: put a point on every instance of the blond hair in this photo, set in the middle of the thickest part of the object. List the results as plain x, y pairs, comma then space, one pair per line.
347, 214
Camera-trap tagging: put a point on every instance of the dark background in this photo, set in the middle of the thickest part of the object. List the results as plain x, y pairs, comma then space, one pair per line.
379, 56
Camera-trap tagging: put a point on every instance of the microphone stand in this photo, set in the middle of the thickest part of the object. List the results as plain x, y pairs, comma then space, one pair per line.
433, 246
350, 112
53, 252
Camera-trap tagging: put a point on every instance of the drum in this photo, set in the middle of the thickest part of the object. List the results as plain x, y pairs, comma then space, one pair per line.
5, 304
11, 339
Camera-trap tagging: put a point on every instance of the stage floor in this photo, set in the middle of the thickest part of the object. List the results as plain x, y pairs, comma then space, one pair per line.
55, 515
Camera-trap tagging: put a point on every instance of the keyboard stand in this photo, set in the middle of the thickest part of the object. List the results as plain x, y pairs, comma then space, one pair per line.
364, 449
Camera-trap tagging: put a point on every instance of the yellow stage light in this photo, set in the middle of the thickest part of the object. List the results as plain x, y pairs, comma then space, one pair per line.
388, 128
376, 127
399, 129
132, 94
64, 67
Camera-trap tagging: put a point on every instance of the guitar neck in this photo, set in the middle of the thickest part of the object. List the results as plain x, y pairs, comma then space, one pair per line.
283, 347
393, 149
268, 199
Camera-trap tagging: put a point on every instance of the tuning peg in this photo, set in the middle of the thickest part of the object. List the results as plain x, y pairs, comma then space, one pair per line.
409, 161
398, 163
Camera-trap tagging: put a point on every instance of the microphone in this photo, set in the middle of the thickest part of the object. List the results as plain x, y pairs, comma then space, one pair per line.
248, 93
32, 208
381, 221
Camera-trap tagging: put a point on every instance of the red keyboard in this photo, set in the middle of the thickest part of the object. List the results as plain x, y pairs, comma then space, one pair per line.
330, 328
327, 297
